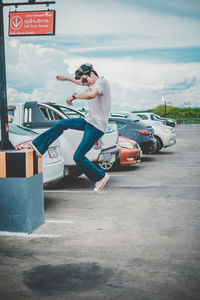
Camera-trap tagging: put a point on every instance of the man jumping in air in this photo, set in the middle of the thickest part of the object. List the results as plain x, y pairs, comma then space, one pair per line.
94, 124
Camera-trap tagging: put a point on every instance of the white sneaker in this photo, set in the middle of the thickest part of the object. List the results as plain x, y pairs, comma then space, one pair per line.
35, 149
100, 184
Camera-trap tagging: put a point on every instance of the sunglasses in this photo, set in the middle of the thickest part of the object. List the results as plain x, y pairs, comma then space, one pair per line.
84, 80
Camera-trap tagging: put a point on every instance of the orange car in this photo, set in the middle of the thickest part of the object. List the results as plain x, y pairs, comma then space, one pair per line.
131, 152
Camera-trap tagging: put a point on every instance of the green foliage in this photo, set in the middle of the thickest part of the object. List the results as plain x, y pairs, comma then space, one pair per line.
176, 112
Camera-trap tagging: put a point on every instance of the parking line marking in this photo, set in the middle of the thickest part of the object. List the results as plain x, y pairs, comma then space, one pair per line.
182, 167
117, 175
59, 221
174, 167
71, 191
29, 235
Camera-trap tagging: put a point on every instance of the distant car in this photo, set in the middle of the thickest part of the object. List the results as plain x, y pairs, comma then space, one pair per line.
131, 127
53, 163
164, 135
154, 117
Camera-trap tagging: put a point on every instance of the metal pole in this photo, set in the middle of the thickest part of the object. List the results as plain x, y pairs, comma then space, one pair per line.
29, 3
5, 144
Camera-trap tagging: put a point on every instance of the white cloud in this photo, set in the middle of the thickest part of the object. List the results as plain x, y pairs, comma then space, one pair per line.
134, 84
32, 70
32, 64
142, 28
37, 95
138, 28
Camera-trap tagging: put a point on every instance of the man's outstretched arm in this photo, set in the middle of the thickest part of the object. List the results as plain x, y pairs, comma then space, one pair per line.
67, 78
88, 95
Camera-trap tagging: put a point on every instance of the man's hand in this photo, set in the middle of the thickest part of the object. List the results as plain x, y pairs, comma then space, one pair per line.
67, 78
70, 100
60, 77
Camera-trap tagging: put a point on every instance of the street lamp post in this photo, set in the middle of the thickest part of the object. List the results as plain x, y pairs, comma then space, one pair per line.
5, 144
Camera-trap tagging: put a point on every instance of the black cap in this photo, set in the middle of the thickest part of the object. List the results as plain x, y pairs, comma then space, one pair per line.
84, 69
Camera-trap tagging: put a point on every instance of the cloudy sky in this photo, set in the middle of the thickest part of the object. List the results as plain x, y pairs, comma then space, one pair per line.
148, 50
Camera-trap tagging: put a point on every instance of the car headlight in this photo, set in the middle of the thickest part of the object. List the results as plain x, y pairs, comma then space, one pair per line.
166, 130
126, 145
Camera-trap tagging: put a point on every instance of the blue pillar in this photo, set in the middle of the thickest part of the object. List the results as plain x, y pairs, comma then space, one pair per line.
21, 191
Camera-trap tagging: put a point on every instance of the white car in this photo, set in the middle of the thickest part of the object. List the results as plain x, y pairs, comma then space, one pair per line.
151, 117
156, 118
53, 163
165, 135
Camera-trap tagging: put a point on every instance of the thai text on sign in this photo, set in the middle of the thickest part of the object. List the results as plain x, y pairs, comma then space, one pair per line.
32, 23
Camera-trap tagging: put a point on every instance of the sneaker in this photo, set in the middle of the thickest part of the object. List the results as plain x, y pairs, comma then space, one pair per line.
35, 149
100, 184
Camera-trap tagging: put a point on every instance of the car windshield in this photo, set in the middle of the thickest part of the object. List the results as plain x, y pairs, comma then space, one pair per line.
125, 115
120, 125
157, 117
143, 117
119, 115
135, 118
19, 130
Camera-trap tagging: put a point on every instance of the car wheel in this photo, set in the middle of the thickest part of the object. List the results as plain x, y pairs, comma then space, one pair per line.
116, 164
158, 144
104, 165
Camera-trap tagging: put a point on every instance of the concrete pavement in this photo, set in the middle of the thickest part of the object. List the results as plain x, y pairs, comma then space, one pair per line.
137, 239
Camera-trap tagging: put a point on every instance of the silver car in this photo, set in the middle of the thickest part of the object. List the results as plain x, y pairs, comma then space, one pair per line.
53, 163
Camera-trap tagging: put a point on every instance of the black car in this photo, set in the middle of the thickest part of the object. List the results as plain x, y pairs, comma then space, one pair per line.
133, 129
168, 122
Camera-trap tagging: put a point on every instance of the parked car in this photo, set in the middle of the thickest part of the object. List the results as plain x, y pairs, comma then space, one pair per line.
131, 127
131, 153
165, 135
156, 118
53, 163
41, 116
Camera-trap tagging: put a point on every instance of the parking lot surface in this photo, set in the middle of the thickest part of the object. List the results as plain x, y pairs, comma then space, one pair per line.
139, 238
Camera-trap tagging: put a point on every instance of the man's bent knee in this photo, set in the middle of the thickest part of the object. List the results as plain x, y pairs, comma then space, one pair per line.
77, 158
61, 125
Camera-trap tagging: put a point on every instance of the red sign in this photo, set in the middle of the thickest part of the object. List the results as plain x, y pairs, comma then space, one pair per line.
24, 23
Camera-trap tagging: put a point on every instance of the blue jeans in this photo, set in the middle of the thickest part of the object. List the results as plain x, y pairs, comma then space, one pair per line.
90, 137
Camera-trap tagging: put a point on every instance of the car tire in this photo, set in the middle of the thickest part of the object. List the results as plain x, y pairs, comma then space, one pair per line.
104, 165
116, 164
159, 144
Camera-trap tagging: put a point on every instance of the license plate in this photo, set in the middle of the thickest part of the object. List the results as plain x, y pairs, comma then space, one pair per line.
113, 158
53, 152
106, 157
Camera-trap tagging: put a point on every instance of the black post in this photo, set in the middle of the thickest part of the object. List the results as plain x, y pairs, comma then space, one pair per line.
5, 144
165, 109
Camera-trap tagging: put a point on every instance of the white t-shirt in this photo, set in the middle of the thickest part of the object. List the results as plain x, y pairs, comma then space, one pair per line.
99, 107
